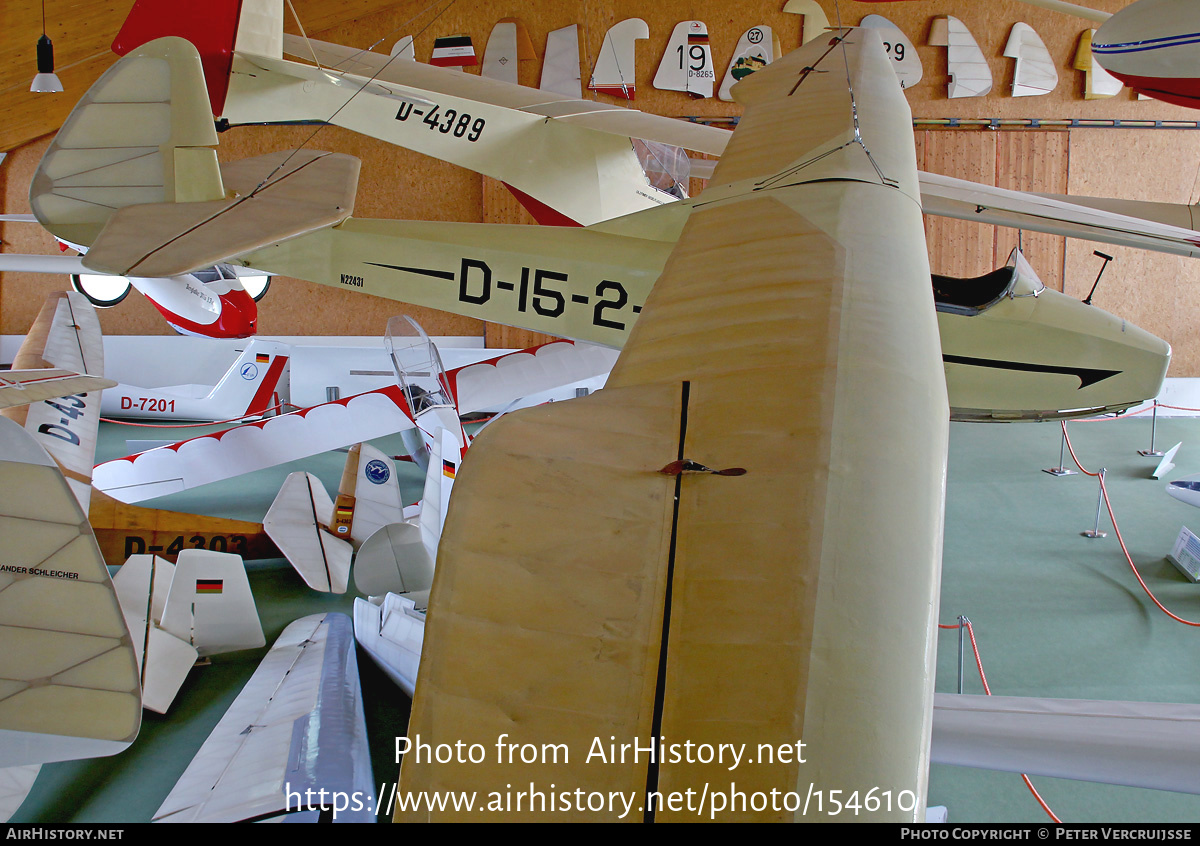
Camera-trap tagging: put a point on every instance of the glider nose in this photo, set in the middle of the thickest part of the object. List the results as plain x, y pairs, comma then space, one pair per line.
238, 317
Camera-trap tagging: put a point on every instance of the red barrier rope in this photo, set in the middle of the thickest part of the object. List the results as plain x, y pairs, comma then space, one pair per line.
1121, 540
988, 690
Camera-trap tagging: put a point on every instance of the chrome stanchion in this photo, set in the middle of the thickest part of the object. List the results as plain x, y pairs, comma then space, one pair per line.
1096, 533
962, 648
1153, 427
1061, 469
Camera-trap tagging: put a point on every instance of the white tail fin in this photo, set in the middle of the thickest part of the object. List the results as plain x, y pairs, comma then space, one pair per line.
164, 660
444, 458
210, 604
297, 521
560, 68
687, 63
377, 500
248, 387
614, 72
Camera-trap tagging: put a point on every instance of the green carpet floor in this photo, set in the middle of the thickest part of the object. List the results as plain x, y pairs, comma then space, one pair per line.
1055, 614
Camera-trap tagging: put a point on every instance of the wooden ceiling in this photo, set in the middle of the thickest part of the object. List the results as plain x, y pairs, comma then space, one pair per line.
82, 31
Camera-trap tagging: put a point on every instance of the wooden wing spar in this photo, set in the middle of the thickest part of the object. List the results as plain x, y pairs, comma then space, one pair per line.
790, 335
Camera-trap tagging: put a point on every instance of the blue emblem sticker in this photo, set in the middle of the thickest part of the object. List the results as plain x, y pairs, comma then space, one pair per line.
249, 371
377, 472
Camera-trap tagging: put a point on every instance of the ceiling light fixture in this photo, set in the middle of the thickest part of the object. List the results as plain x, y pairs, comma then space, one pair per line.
46, 81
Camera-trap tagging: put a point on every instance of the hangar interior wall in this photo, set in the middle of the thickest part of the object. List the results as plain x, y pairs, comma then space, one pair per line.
1155, 291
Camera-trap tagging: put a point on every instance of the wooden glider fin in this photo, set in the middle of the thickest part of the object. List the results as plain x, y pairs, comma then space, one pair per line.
792, 335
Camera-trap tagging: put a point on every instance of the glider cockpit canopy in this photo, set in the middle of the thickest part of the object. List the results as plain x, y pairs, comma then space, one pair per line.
969, 297
419, 369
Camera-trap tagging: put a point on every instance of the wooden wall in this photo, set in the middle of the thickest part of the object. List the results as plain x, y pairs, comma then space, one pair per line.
1149, 289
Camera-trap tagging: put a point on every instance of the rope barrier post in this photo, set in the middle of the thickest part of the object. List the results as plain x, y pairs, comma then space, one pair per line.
1061, 469
962, 649
1153, 427
1095, 532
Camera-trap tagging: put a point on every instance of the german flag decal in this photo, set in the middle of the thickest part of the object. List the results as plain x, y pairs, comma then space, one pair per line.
453, 51
261, 358
448, 468
210, 585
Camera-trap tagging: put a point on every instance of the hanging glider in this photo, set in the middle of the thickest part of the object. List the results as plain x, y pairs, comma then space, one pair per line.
331, 425
687, 63
615, 70
757, 48
612, 587
248, 389
1034, 73
970, 75
1149, 46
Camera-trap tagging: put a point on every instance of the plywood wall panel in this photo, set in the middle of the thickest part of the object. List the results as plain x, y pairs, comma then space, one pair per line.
1158, 292
1035, 162
958, 247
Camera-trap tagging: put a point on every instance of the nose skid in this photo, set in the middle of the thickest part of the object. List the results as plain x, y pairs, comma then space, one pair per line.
236, 316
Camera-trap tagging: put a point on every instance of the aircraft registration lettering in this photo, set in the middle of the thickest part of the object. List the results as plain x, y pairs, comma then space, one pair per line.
537, 290
70, 412
136, 544
448, 122
147, 404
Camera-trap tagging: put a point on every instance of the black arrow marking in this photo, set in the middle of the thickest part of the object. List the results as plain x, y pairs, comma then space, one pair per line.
437, 274
1087, 375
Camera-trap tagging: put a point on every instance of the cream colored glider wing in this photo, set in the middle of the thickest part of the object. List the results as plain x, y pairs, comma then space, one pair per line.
68, 674
1161, 227
596, 587
22, 387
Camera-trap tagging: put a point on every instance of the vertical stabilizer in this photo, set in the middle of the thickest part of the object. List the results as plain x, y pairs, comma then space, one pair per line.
210, 604
68, 675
